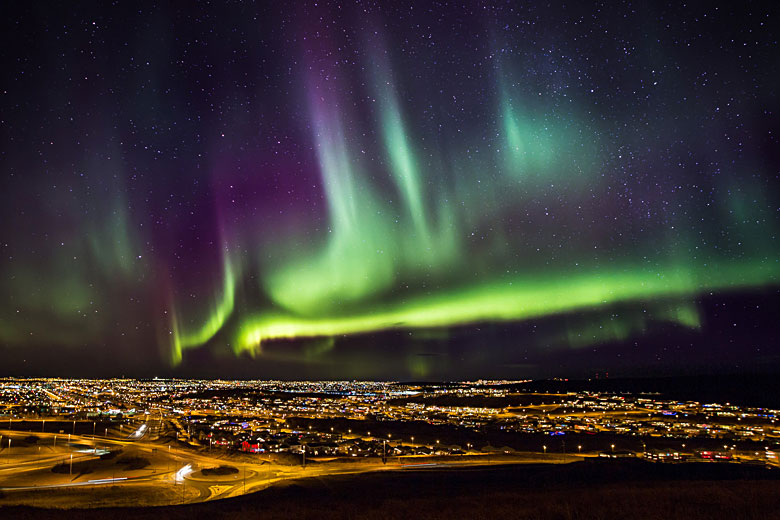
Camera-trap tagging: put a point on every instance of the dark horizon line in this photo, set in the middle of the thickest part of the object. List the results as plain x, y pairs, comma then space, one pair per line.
558, 379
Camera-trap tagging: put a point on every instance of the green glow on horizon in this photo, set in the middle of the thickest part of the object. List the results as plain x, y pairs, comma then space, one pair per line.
588, 330
65, 287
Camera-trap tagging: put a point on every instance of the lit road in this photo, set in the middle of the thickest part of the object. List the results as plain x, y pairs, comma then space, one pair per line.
180, 469
183, 468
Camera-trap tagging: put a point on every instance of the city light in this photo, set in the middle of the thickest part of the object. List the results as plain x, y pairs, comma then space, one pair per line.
491, 421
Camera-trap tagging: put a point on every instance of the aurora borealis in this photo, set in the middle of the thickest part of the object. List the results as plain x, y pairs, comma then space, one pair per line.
269, 183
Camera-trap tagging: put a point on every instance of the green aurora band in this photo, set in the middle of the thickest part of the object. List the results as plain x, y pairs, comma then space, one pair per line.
374, 248
520, 299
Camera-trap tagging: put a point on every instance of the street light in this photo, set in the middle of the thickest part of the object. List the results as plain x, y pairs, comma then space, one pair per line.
579, 448
613, 448
544, 448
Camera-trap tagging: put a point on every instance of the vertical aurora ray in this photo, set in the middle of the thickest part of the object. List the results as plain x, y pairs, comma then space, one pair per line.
424, 235
539, 144
369, 247
114, 246
529, 150
400, 153
356, 259
186, 336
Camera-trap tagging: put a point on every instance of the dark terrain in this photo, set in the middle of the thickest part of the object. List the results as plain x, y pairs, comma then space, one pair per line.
587, 490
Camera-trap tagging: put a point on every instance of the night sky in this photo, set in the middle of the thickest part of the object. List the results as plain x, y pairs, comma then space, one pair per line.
359, 190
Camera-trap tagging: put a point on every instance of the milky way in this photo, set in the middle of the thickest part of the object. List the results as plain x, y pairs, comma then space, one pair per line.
224, 178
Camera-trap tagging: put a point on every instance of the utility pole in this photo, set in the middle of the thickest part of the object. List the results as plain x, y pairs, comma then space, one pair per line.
563, 443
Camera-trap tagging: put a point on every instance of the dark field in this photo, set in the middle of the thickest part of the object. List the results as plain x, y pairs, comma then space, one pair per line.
63, 427
588, 490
